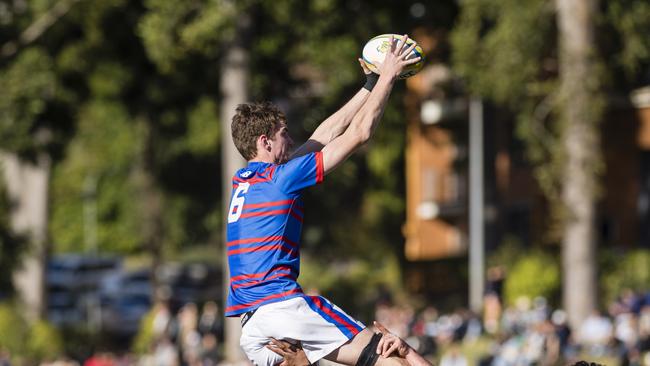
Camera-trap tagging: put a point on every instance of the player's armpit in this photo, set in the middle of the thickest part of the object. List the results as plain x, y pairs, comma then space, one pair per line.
308, 147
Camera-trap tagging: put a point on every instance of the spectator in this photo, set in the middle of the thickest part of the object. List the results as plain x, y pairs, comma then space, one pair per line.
211, 320
162, 320
644, 330
189, 339
453, 357
165, 354
5, 357
596, 334
101, 359
626, 329
562, 331
209, 351
493, 299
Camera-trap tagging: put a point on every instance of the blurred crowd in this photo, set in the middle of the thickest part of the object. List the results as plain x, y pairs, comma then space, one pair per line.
187, 337
528, 333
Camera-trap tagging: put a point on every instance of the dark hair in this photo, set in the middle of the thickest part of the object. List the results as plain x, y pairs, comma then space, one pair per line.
253, 120
585, 363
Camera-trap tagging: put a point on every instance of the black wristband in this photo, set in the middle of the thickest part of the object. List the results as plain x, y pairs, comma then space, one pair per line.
371, 80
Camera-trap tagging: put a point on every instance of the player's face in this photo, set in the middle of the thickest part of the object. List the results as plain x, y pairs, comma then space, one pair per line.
281, 145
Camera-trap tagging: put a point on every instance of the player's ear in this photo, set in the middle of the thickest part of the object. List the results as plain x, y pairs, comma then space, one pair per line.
264, 142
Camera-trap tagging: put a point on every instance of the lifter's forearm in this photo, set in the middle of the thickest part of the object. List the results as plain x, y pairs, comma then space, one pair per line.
361, 127
415, 359
336, 124
366, 120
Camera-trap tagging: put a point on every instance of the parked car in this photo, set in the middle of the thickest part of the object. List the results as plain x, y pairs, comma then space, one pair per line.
71, 283
62, 307
127, 296
80, 272
194, 282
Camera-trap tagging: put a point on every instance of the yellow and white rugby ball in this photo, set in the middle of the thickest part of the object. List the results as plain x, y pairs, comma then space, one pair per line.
375, 50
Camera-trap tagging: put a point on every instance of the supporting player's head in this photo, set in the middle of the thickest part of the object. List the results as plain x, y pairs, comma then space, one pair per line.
259, 131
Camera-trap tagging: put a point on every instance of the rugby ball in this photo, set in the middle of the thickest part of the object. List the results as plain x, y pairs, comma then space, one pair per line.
375, 50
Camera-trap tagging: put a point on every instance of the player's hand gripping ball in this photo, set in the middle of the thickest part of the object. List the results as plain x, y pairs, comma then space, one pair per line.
375, 50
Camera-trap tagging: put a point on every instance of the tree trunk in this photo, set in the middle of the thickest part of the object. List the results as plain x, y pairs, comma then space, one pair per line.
234, 90
580, 140
151, 204
28, 190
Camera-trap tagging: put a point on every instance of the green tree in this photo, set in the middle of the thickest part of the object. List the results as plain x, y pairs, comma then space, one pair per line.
533, 274
33, 127
131, 95
25, 342
142, 132
11, 247
543, 61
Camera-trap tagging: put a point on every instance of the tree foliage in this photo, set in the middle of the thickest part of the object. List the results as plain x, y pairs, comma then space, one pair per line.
25, 342
507, 52
533, 274
628, 271
123, 83
11, 248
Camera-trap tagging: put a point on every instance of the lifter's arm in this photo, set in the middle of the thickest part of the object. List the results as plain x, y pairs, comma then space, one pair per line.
335, 124
365, 121
389, 345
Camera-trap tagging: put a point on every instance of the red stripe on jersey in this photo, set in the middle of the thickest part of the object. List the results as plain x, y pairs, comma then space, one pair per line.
277, 275
254, 240
265, 213
295, 215
258, 275
299, 209
275, 296
261, 240
320, 168
252, 180
272, 213
262, 248
267, 204
268, 172
334, 316
292, 243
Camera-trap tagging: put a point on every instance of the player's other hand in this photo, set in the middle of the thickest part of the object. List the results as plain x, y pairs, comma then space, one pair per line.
292, 353
390, 343
395, 60
364, 67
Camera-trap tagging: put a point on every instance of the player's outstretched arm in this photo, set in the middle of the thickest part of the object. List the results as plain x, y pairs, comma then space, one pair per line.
335, 124
365, 121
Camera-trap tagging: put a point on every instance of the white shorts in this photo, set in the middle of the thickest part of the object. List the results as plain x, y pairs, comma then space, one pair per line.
319, 325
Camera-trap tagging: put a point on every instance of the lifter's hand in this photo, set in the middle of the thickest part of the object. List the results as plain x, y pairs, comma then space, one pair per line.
390, 343
293, 354
364, 67
395, 60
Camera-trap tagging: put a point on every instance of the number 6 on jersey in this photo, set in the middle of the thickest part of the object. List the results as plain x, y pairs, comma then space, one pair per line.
237, 203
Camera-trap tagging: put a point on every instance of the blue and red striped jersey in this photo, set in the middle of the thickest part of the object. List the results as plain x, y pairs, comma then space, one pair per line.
264, 227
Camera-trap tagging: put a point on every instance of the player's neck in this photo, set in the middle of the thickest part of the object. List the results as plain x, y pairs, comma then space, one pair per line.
260, 161
262, 157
